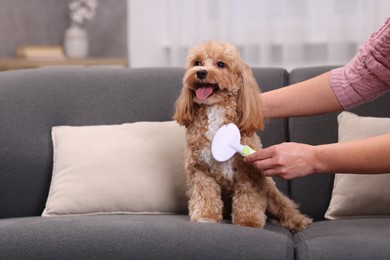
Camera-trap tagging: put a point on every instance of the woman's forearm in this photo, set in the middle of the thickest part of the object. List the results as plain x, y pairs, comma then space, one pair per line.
310, 97
371, 155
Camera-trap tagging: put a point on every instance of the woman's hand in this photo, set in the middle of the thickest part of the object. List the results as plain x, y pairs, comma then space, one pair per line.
285, 160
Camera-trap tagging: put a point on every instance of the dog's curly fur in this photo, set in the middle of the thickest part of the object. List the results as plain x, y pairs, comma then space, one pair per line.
219, 88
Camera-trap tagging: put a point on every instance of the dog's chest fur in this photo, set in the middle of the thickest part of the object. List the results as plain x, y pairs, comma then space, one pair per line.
216, 117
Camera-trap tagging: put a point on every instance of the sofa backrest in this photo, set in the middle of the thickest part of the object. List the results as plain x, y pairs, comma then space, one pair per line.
313, 192
32, 101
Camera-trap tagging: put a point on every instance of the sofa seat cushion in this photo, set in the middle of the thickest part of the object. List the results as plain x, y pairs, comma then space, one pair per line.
138, 237
366, 238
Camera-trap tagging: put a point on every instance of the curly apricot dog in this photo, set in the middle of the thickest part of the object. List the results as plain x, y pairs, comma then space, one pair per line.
219, 88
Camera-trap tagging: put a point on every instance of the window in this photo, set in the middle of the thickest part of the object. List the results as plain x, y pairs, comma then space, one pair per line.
273, 33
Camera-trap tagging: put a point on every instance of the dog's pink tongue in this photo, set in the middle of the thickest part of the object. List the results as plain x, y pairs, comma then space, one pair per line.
204, 92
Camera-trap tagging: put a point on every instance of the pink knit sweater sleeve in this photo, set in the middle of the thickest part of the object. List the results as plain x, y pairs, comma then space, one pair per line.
367, 75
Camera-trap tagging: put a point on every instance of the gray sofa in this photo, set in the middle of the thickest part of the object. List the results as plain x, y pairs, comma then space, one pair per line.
32, 101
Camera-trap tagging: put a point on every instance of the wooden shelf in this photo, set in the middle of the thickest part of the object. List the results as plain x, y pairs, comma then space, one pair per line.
15, 64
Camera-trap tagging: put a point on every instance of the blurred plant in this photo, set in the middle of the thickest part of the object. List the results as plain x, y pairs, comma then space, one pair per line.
82, 10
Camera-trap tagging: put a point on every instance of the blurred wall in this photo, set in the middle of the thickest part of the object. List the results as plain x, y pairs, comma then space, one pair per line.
45, 21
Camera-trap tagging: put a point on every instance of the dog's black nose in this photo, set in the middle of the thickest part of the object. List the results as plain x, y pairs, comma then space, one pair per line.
201, 74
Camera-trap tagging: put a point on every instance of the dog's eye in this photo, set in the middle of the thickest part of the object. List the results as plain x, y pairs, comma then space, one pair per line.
221, 64
197, 63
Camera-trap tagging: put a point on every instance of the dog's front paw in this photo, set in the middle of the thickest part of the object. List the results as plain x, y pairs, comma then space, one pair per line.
206, 220
257, 221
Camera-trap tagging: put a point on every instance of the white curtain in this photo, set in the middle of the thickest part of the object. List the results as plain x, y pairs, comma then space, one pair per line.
268, 33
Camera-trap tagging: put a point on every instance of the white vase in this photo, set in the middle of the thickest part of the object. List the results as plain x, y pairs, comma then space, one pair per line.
76, 42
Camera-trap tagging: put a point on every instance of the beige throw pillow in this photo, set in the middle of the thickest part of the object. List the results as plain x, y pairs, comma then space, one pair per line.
118, 169
356, 195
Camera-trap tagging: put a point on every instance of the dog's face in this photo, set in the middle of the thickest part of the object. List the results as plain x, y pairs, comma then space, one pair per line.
213, 72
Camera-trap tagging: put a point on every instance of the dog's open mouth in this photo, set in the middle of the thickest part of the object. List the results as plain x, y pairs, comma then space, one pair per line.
203, 91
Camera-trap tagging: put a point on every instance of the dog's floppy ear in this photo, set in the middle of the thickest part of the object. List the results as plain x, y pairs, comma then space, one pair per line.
184, 110
249, 105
